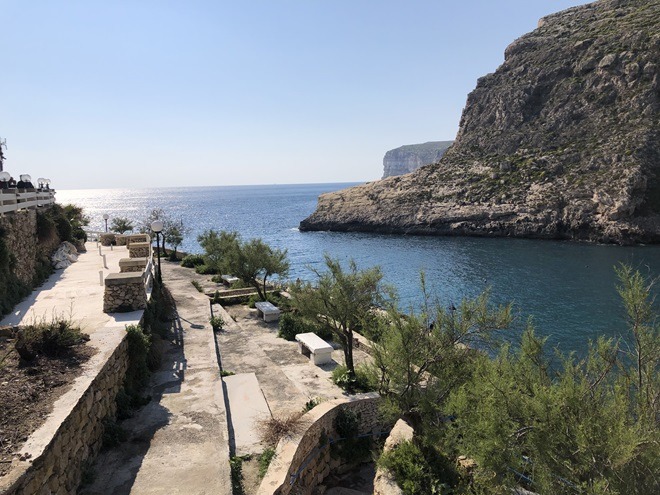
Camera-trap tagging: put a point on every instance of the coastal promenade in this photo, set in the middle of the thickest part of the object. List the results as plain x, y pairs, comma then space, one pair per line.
179, 441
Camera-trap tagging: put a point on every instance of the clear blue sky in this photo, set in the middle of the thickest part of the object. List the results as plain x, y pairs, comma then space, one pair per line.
161, 93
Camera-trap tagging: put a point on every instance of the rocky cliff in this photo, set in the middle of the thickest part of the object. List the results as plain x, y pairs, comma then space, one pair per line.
562, 141
409, 158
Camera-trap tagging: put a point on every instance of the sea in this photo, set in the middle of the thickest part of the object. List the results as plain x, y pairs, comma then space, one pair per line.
566, 289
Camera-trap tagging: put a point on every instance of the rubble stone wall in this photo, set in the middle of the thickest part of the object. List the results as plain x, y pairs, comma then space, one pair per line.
75, 435
302, 463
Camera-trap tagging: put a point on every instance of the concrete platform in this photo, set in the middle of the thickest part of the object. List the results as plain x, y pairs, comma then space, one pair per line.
76, 293
247, 408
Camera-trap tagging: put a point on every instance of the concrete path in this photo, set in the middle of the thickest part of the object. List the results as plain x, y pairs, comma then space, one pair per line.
76, 293
247, 408
178, 442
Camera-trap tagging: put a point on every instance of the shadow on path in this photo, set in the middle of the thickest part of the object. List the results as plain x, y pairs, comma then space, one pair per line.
115, 470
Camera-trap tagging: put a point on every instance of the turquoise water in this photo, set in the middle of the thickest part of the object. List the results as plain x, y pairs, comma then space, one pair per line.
568, 288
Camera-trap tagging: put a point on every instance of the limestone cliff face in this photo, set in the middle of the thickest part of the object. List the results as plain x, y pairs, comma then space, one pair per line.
562, 141
410, 157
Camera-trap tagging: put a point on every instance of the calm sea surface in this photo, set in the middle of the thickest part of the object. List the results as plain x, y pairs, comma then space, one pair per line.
568, 288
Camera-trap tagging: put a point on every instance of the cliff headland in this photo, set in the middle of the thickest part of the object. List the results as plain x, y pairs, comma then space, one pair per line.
561, 142
410, 157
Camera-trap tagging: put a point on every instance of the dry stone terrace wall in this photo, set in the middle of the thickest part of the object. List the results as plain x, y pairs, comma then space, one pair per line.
72, 435
20, 237
124, 292
301, 463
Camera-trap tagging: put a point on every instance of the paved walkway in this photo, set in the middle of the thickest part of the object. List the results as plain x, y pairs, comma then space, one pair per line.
178, 442
77, 293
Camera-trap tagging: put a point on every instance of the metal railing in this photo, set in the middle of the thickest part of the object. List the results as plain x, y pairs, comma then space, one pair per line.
12, 200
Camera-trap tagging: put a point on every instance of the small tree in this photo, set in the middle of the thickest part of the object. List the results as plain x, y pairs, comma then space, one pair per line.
254, 261
121, 225
217, 247
341, 301
174, 232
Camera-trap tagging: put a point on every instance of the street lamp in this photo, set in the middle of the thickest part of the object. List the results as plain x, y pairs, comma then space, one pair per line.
157, 227
105, 217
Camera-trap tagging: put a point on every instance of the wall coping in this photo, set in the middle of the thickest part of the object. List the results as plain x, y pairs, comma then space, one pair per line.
123, 278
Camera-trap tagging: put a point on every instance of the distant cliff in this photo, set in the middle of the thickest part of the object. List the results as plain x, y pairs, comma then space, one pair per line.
410, 157
562, 141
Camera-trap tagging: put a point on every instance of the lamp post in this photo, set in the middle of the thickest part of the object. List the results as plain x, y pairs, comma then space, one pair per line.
105, 217
157, 227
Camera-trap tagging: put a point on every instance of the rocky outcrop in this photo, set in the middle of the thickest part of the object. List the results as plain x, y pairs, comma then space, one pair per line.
562, 141
410, 157
64, 256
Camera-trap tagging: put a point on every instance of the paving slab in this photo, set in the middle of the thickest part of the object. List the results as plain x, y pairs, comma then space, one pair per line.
247, 409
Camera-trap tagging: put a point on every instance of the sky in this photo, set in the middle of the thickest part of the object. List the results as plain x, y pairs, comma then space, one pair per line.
138, 93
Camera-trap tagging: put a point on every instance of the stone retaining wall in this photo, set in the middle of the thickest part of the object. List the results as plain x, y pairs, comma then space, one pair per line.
20, 237
301, 463
72, 436
139, 250
124, 292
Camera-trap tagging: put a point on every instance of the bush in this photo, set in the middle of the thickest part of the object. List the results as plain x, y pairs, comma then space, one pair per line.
217, 322
205, 270
197, 286
419, 471
50, 338
291, 324
350, 447
192, 261
137, 375
312, 403
361, 382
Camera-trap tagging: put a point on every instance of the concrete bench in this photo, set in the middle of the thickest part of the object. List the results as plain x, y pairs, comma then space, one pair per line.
314, 347
267, 311
229, 280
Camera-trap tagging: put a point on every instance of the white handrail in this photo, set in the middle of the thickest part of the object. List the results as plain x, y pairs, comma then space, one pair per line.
12, 200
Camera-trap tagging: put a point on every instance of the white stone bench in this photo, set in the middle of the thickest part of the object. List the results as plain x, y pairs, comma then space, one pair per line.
229, 280
267, 311
313, 346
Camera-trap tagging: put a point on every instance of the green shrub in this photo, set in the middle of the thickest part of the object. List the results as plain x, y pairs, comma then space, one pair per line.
51, 338
311, 404
226, 373
291, 324
264, 461
205, 270
419, 471
361, 382
349, 446
217, 322
139, 344
192, 261
197, 286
